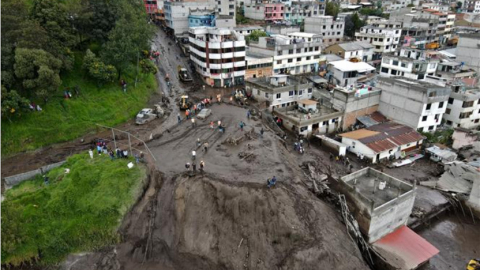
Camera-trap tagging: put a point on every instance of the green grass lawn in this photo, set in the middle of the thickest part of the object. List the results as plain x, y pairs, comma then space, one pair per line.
79, 211
106, 105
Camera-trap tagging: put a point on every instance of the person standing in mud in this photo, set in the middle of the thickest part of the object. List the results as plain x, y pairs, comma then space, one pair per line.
194, 167
194, 155
202, 165
241, 125
205, 147
179, 118
261, 133
193, 122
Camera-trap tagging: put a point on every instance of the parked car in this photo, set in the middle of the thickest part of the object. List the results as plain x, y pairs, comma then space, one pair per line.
146, 115
204, 113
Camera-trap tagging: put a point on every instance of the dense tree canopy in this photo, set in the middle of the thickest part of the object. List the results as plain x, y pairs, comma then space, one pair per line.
40, 36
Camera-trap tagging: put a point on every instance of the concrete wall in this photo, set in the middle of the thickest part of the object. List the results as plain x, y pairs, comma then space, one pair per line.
255, 12
355, 106
350, 118
468, 50
17, 179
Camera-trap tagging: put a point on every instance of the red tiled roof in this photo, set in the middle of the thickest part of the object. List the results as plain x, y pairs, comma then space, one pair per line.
405, 249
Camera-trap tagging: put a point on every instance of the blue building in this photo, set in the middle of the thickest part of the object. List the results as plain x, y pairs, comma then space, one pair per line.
201, 17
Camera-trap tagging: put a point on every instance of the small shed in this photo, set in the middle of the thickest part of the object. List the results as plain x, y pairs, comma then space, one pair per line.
339, 148
308, 104
443, 155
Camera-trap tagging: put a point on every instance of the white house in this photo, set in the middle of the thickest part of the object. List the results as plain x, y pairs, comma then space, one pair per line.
383, 141
409, 63
346, 73
463, 108
383, 35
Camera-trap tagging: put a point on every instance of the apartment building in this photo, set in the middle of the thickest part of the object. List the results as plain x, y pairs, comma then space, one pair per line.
347, 74
355, 51
258, 66
409, 63
226, 8
201, 17
176, 14
282, 29
295, 53
280, 90
468, 50
332, 31
298, 11
248, 29
414, 103
383, 35
471, 6
445, 23
436, 7
419, 31
463, 107
268, 12
218, 55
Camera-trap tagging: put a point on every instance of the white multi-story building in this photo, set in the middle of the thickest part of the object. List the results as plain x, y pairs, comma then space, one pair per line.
359, 50
226, 8
418, 104
332, 31
383, 35
471, 6
176, 14
218, 55
436, 7
346, 73
409, 63
295, 53
468, 50
463, 108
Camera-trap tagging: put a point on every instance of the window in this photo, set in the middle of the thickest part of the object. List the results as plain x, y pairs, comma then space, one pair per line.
279, 95
393, 72
300, 92
290, 60
279, 53
308, 57
290, 93
310, 90
441, 105
424, 118
299, 50
431, 127
279, 61
395, 63
467, 104
290, 51
266, 95
432, 94
403, 65
429, 106
384, 70
299, 59
465, 115
450, 101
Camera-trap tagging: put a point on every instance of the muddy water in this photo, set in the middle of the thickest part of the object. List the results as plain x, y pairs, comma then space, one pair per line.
457, 239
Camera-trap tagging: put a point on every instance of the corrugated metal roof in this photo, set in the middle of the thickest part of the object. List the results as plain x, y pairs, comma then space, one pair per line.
358, 134
382, 145
404, 249
355, 45
367, 120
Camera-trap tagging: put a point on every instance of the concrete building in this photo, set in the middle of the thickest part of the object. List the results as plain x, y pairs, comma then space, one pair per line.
282, 29
346, 73
258, 66
380, 203
355, 102
298, 11
280, 90
409, 63
268, 12
394, 5
332, 31
358, 50
218, 55
445, 23
436, 6
246, 30
419, 31
418, 104
225, 21
383, 35
382, 141
226, 8
296, 53
463, 108
468, 50
151, 7
450, 71
471, 6
176, 14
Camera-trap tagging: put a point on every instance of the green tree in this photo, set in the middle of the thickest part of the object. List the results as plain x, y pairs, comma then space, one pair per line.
130, 35
459, 5
410, 5
97, 69
332, 9
12, 104
38, 71
255, 35
147, 66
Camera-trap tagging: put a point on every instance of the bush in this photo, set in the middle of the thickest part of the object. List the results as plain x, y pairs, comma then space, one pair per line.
79, 211
98, 70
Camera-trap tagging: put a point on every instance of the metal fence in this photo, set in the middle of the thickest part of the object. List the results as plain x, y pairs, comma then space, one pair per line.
135, 145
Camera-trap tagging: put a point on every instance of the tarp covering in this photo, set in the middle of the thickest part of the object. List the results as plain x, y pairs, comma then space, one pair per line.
404, 249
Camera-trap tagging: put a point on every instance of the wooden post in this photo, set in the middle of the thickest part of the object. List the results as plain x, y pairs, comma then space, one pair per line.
114, 142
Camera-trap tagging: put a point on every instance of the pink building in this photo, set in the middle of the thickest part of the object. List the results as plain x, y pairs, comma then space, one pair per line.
265, 12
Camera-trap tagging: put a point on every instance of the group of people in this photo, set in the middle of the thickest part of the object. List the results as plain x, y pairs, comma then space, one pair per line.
298, 146
194, 166
102, 148
34, 107
344, 160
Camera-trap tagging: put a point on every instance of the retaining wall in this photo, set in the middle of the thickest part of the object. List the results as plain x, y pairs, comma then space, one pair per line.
17, 179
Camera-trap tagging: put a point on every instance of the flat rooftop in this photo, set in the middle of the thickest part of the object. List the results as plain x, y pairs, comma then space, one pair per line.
291, 81
375, 186
323, 113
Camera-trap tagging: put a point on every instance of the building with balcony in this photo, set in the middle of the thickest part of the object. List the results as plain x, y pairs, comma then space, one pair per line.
295, 53
151, 7
332, 31
177, 13
218, 55
347, 74
280, 91
418, 104
201, 17
463, 107
383, 35
267, 12
409, 63
471, 6
298, 11
355, 51
445, 23
450, 71
226, 8
436, 7
258, 66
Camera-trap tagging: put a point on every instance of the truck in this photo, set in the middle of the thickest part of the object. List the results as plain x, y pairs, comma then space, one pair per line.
148, 114
432, 46
184, 103
183, 74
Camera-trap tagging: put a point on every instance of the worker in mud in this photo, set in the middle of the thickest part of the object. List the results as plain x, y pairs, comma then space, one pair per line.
331, 157
248, 114
193, 122
194, 167
112, 155
202, 165
187, 113
187, 166
211, 125
241, 125
179, 118
271, 182
205, 147
194, 154
219, 97
198, 142
261, 132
